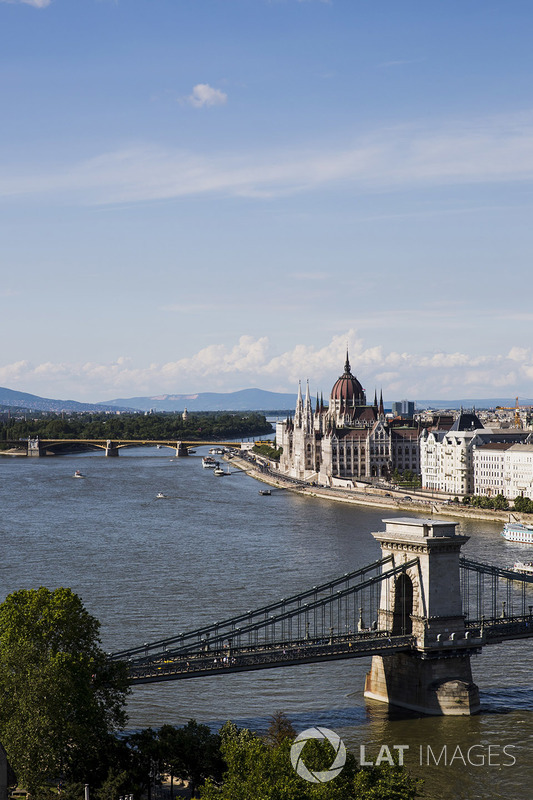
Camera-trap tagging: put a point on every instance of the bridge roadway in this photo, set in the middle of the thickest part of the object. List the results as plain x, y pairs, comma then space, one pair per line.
280, 654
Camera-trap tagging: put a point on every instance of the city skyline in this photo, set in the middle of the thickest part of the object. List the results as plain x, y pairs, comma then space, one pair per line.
211, 197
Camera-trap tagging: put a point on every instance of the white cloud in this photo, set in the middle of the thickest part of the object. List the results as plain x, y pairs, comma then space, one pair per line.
494, 150
205, 95
34, 3
250, 362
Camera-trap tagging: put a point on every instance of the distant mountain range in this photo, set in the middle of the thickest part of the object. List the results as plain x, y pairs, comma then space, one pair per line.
22, 401
492, 402
244, 400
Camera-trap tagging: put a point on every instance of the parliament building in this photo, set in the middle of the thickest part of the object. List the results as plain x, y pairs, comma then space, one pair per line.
345, 441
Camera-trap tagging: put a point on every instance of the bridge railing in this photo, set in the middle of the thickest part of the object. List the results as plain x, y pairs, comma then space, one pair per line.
492, 592
281, 654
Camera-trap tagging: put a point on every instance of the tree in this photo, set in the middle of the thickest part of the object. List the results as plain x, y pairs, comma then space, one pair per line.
255, 769
61, 699
190, 753
280, 728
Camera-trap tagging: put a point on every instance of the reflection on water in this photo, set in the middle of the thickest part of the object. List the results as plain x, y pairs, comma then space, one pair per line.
151, 568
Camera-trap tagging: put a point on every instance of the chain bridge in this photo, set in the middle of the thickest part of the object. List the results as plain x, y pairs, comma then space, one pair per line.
420, 611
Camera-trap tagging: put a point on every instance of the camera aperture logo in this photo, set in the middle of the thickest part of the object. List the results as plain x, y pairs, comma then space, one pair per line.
315, 776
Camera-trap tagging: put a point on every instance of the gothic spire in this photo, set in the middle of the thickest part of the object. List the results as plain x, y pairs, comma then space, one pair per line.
347, 368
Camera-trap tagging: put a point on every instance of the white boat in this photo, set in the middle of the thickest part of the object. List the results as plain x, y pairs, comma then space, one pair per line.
160, 496
78, 474
518, 532
208, 462
218, 471
525, 567
217, 451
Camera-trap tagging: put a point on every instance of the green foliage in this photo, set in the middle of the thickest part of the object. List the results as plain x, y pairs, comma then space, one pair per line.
61, 699
256, 770
523, 504
498, 503
268, 452
406, 479
170, 426
191, 753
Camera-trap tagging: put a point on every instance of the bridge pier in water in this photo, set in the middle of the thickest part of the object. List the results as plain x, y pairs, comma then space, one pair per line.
111, 450
424, 601
34, 448
181, 450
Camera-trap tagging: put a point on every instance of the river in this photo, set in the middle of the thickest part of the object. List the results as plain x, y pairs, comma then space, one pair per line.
151, 568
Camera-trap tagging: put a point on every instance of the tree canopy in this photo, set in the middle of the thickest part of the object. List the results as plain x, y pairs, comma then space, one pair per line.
61, 698
259, 767
206, 426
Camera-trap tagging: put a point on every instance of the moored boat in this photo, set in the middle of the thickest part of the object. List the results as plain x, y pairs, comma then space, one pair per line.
208, 462
218, 471
518, 532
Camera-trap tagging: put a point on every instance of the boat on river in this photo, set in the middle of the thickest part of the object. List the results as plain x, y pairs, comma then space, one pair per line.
518, 532
208, 462
160, 496
218, 471
525, 567
79, 474
265, 492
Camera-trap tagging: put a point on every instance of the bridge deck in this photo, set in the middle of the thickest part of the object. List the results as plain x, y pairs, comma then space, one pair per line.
226, 661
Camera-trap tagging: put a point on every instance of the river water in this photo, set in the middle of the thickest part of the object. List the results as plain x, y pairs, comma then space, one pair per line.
152, 568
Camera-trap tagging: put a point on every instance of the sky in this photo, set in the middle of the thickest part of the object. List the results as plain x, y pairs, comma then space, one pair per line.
212, 195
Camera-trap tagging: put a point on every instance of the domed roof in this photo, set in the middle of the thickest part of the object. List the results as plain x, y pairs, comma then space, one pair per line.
347, 389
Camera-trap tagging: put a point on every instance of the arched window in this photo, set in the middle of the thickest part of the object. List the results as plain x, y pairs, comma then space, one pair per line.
403, 606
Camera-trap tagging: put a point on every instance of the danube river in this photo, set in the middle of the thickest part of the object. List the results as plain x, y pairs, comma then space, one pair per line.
151, 568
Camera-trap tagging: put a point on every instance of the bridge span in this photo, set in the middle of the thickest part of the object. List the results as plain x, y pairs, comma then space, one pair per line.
111, 447
420, 612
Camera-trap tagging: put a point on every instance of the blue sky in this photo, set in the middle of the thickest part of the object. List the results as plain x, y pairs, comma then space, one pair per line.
208, 195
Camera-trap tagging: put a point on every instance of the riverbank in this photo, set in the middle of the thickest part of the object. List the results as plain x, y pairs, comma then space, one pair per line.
376, 498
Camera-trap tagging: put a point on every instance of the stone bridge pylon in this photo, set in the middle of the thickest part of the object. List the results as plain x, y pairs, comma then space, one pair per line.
425, 601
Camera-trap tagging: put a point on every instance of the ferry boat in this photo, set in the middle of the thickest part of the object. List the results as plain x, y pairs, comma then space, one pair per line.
525, 567
517, 532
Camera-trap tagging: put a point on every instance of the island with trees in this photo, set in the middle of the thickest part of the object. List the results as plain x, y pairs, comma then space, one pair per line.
205, 426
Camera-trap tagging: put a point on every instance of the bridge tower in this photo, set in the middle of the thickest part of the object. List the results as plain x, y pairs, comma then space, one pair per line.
425, 601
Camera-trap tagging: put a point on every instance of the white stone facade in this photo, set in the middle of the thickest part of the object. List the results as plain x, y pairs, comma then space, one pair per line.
505, 469
447, 457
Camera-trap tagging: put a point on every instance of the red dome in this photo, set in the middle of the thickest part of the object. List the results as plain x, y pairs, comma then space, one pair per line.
347, 390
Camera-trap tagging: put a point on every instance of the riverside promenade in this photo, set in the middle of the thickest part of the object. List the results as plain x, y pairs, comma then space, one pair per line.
372, 496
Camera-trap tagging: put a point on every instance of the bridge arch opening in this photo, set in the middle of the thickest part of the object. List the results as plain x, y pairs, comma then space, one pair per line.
403, 605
